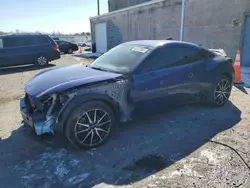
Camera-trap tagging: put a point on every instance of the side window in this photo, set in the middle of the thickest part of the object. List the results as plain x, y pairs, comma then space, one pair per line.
58, 42
65, 43
154, 61
61, 42
55, 38
188, 55
1, 43
9, 42
18, 41
207, 54
25, 41
170, 57
41, 40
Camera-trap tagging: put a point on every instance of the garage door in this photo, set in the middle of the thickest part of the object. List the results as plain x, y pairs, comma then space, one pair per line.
101, 37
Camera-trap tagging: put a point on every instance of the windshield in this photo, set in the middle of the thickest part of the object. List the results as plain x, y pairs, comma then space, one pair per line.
122, 59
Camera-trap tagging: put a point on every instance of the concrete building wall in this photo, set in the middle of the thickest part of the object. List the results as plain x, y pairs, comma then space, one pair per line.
210, 23
120, 4
141, 23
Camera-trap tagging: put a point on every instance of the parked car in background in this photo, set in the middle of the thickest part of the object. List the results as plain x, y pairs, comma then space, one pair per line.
81, 44
87, 43
86, 103
67, 47
27, 49
55, 38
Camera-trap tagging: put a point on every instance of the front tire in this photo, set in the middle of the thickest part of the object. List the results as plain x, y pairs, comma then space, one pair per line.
221, 91
90, 124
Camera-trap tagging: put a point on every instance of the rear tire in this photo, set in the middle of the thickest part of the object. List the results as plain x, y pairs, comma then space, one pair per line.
41, 61
221, 91
90, 124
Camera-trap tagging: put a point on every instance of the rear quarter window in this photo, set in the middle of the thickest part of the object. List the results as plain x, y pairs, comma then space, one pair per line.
208, 54
42, 40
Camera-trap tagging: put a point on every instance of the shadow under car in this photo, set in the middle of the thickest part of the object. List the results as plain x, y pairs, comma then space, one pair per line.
139, 149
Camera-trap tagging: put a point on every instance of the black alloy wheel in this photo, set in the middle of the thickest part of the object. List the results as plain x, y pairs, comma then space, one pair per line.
222, 91
90, 124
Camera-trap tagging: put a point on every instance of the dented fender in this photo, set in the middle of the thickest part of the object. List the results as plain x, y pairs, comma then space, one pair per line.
115, 93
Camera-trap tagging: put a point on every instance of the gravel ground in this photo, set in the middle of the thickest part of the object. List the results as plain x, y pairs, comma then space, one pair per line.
171, 149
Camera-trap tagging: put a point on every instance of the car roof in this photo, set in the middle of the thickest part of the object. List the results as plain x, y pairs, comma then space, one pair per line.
62, 41
157, 43
21, 35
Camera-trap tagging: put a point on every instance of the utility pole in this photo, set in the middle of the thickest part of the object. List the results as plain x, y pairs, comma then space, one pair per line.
182, 19
98, 7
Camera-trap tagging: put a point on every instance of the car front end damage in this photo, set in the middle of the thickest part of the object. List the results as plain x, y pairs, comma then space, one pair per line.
45, 113
40, 113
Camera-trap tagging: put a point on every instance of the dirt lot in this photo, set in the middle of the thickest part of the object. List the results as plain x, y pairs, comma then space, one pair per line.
170, 149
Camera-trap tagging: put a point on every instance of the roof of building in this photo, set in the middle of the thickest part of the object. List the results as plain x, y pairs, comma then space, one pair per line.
128, 8
155, 43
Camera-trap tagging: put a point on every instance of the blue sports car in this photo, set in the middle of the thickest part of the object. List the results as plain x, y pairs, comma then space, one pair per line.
85, 103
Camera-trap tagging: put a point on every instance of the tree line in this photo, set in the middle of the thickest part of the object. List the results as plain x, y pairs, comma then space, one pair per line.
57, 33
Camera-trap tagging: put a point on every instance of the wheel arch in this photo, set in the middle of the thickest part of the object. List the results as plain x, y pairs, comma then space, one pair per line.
230, 76
226, 69
78, 100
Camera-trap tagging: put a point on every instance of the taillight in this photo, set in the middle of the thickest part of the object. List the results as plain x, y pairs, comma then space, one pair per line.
55, 47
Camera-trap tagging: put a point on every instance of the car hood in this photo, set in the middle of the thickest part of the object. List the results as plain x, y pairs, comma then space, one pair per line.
58, 79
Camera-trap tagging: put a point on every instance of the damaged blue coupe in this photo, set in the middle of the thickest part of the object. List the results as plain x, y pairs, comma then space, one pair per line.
85, 103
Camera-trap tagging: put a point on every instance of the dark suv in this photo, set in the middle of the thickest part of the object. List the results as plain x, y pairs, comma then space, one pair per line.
27, 49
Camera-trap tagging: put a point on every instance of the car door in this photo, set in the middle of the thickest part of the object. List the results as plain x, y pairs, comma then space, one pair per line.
20, 49
27, 49
63, 46
197, 62
59, 43
166, 76
11, 51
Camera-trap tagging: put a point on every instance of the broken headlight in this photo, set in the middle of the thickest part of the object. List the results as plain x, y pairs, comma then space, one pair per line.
47, 101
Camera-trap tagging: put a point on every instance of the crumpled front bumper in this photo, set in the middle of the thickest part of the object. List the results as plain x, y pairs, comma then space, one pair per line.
43, 122
27, 118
